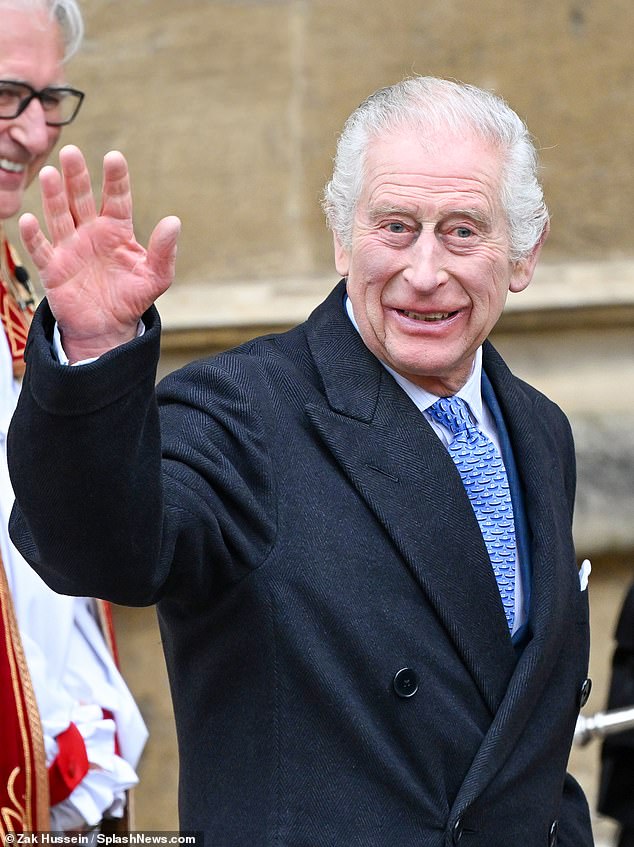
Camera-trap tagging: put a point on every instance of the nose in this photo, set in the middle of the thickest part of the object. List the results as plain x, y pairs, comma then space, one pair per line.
424, 270
30, 130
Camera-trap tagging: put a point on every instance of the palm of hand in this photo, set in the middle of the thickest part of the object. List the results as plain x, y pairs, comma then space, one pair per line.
98, 279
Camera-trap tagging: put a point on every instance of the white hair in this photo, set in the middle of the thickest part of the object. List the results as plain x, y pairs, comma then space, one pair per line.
429, 103
66, 13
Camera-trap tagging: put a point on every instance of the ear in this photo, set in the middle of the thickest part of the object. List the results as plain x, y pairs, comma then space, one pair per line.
523, 269
342, 256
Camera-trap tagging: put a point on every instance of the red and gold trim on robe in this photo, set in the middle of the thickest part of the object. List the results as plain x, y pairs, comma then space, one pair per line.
16, 303
24, 794
27, 787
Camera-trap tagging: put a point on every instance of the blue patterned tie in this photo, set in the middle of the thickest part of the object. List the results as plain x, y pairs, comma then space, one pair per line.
484, 477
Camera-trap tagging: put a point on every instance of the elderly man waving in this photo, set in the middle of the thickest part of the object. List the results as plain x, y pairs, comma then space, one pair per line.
358, 533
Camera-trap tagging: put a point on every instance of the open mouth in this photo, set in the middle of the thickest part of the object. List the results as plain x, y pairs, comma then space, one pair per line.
428, 317
12, 167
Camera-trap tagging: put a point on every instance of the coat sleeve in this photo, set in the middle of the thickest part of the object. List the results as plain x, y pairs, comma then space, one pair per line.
84, 459
118, 499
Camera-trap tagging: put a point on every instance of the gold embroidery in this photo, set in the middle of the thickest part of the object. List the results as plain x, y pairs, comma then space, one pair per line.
17, 302
29, 721
17, 813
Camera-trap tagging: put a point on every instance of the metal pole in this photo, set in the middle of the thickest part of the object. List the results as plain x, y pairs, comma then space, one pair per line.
602, 724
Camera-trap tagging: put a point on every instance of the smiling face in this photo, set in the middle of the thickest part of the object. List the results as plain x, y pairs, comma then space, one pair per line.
428, 268
31, 51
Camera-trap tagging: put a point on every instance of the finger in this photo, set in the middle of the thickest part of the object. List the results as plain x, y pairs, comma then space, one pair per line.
35, 243
116, 198
161, 253
77, 183
59, 220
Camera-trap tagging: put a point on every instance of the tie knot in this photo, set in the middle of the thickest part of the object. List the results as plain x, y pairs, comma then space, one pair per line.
453, 413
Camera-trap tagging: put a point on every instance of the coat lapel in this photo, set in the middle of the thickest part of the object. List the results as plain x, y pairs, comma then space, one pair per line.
553, 580
394, 459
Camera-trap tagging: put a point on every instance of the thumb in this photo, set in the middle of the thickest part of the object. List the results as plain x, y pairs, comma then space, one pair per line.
161, 252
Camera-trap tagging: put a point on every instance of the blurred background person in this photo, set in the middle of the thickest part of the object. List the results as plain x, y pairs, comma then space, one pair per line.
616, 785
70, 732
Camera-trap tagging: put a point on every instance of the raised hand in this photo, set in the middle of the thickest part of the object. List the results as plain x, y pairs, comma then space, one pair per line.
98, 279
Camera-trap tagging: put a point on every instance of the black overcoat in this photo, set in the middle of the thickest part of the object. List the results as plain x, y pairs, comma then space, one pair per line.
306, 536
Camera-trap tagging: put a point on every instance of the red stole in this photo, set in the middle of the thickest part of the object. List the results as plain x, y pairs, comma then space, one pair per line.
24, 799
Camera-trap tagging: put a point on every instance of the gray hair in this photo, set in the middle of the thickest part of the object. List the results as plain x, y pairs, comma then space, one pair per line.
67, 15
424, 103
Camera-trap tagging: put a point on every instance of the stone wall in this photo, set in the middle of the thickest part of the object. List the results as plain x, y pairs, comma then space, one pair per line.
229, 111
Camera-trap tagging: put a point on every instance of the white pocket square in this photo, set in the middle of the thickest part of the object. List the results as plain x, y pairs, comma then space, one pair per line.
584, 574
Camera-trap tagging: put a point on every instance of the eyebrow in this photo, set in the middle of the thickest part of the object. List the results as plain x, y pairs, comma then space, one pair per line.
379, 211
30, 85
474, 214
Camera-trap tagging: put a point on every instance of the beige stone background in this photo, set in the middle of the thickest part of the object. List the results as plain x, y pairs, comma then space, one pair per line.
228, 113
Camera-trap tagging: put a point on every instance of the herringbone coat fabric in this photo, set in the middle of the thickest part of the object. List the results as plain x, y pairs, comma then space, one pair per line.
306, 536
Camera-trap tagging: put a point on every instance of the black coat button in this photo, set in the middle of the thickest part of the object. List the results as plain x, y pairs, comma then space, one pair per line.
584, 694
552, 836
406, 682
456, 831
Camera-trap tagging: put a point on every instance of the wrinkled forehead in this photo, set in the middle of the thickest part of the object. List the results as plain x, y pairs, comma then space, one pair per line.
433, 139
434, 154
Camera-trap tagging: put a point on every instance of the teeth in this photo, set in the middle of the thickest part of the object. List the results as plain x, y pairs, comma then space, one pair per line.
434, 316
14, 167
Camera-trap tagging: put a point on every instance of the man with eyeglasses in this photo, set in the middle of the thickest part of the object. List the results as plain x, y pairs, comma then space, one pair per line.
59, 103
70, 732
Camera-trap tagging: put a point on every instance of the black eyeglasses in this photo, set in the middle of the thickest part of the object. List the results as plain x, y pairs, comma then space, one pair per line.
60, 103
